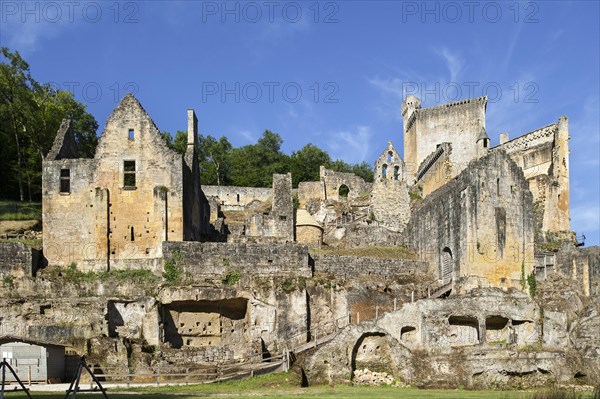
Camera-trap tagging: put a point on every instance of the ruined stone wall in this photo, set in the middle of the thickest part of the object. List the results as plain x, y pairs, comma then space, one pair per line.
310, 190
334, 180
436, 170
151, 212
196, 213
237, 198
390, 203
283, 207
122, 204
581, 265
459, 123
360, 234
479, 224
69, 219
389, 165
475, 340
216, 260
347, 267
279, 222
544, 157
17, 259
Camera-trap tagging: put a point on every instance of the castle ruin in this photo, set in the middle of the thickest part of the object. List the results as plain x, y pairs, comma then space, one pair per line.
434, 256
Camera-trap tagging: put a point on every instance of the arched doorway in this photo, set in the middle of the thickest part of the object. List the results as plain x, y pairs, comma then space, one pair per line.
343, 191
371, 352
446, 265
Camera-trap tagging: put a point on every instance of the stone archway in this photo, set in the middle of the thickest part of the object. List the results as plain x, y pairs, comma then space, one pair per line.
371, 359
343, 191
446, 265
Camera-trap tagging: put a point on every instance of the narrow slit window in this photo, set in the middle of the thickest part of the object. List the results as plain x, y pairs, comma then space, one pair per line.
132, 234
498, 186
129, 174
65, 180
131, 134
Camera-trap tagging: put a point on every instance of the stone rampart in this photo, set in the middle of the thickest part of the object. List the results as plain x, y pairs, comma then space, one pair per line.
217, 260
345, 267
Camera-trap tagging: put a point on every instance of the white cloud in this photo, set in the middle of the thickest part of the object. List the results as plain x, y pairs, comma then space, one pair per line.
248, 136
392, 86
351, 145
454, 62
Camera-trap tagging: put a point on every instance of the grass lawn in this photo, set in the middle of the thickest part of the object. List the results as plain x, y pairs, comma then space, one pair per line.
284, 385
15, 210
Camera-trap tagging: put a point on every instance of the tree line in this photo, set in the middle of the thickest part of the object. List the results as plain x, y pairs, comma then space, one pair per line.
253, 165
31, 113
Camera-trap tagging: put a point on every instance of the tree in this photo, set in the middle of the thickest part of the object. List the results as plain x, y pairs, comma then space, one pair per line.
177, 144
16, 106
30, 115
305, 163
214, 160
253, 165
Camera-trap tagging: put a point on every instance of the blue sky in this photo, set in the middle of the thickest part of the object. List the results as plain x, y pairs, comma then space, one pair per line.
330, 73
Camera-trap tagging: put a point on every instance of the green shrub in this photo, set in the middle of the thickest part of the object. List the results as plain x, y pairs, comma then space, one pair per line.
532, 282
172, 272
288, 285
231, 278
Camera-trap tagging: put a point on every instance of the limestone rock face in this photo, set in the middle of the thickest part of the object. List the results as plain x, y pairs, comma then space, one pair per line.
488, 338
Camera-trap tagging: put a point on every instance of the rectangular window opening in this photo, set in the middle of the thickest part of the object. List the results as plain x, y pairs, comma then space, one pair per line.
129, 174
131, 134
65, 180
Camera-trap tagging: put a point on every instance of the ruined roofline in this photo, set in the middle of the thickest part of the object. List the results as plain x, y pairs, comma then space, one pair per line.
538, 130
482, 99
474, 164
432, 158
127, 98
64, 145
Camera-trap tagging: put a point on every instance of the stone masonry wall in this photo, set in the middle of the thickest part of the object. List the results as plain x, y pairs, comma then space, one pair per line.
543, 154
479, 224
237, 198
17, 259
216, 260
334, 180
390, 203
458, 123
105, 221
310, 190
346, 267
436, 170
